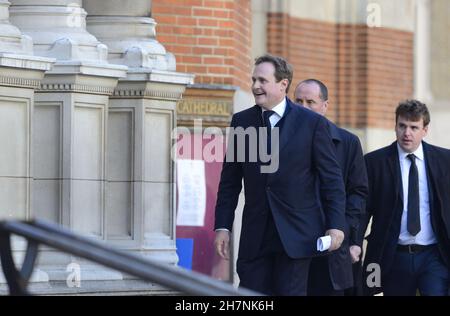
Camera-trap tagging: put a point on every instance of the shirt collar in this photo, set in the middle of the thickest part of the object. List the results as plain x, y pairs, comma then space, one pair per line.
280, 108
418, 152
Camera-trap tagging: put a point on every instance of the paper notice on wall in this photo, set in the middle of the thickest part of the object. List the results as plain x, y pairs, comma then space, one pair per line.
191, 192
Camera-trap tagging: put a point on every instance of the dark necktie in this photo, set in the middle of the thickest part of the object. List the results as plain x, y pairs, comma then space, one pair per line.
267, 115
413, 198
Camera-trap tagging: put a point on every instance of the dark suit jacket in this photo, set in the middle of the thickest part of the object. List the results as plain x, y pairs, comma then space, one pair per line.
350, 158
385, 204
306, 152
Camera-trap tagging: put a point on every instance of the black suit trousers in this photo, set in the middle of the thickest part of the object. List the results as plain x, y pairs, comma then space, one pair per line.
273, 272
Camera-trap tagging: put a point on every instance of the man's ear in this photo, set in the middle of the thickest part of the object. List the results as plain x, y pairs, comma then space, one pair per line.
284, 83
325, 107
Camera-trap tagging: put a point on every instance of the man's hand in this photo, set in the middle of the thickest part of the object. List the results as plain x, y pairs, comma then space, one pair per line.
337, 237
222, 244
355, 253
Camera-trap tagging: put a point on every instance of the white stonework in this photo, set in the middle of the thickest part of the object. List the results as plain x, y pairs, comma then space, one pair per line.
102, 166
142, 116
141, 174
439, 129
20, 74
129, 34
12, 40
376, 138
439, 71
70, 161
58, 29
19, 246
70, 124
440, 48
422, 75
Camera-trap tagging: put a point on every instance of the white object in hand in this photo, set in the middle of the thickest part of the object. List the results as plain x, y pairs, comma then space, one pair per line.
323, 243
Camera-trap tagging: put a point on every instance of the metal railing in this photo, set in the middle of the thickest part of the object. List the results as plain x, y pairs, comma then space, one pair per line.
38, 232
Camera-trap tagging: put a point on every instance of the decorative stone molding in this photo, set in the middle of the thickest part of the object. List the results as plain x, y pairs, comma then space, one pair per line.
25, 61
89, 68
23, 71
147, 75
153, 84
19, 82
152, 94
67, 87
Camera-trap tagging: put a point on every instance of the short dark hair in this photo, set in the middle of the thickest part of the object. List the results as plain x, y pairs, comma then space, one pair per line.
283, 70
323, 88
413, 110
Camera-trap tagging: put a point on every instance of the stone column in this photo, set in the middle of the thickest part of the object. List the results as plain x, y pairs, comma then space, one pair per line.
20, 74
70, 124
422, 61
58, 29
141, 174
129, 31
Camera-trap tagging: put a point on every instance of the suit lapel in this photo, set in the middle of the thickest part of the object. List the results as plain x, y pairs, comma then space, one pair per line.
429, 162
394, 168
256, 118
287, 128
290, 125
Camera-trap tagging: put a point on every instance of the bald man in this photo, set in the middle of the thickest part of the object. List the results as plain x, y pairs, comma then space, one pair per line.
332, 275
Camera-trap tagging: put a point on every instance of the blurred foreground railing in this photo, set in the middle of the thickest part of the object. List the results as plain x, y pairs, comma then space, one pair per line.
38, 232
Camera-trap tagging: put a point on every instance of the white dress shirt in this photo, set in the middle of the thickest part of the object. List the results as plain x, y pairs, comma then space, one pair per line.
279, 112
426, 234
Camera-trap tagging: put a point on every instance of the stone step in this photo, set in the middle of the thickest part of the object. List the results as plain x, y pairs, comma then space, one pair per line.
96, 288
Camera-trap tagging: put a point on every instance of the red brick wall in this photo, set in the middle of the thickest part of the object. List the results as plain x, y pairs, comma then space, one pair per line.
211, 39
309, 46
390, 76
367, 70
350, 103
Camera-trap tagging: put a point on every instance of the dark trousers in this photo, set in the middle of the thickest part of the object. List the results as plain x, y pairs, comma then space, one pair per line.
423, 271
273, 272
319, 281
357, 289
274, 275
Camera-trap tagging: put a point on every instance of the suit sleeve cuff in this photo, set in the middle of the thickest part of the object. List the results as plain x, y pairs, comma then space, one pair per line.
222, 229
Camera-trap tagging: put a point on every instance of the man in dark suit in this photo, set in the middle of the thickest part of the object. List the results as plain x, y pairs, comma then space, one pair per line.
409, 202
331, 275
282, 218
